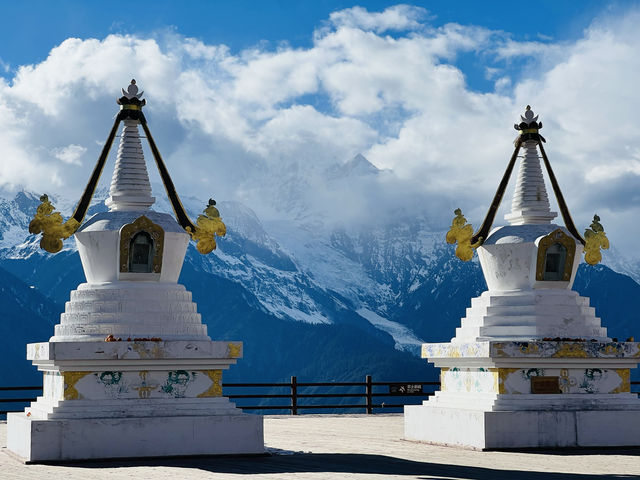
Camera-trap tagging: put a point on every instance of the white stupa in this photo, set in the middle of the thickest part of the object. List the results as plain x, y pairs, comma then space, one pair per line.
131, 371
530, 365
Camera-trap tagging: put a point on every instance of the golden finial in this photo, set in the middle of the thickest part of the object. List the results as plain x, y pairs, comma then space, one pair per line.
461, 232
595, 239
50, 224
208, 226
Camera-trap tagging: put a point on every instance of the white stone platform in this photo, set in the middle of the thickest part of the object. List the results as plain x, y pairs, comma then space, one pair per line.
132, 398
488, 397
335, 447
491, 430
139, 436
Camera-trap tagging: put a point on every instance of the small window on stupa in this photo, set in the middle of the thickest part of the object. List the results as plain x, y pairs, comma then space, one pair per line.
141, 253
554, 264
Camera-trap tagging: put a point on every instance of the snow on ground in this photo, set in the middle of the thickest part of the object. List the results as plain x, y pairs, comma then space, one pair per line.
328, 267
404, 337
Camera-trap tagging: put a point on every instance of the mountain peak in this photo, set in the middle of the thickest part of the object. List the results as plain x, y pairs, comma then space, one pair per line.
361, 166
27, 201
358, 166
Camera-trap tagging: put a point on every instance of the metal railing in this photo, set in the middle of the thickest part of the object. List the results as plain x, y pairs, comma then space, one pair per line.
291, 396
299, 395
295, 396
18, 399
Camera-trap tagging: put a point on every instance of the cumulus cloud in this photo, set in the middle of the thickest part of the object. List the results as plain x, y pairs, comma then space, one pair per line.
70, 154
512, 49
398, 17
264, 126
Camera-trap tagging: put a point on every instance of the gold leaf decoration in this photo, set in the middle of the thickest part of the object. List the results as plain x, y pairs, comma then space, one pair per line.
595, 239
461, 233
500, 376
70, 380
50, 223
625, 381
215, 390
128, 231
208, 226
556, 237
234, 350
571, 350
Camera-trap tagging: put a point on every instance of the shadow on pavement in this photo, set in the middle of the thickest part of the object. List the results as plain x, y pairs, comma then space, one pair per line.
345, 463
571, 451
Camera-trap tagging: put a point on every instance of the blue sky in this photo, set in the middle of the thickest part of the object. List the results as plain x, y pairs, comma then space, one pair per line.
241, 24
257, 101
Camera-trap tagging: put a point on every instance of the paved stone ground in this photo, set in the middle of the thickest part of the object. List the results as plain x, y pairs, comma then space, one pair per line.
346, 446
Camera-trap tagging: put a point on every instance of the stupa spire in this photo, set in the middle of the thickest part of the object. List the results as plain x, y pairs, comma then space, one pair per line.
130, 187
530, 204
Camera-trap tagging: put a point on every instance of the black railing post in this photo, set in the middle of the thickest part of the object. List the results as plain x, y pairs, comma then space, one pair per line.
369, 393
294, 395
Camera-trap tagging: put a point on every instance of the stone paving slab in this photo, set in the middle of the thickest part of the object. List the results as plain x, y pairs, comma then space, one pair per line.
330, 447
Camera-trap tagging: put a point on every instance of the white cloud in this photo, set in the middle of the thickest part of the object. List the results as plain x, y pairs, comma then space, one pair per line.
398, 17
70, 154
264, 125
512, 49
4, 67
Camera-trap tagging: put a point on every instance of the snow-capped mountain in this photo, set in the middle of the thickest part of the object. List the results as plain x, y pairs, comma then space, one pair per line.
308, 295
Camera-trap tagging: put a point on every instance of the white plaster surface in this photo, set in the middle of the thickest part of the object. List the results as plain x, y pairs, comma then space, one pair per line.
130, 310
552, 353
592, 376
509, 258
335, 447
134, 351
530, 204
521, 429
529, 314
69, 439
98, 242
50, 409
128, 385
457, 427
130, 187
495, 402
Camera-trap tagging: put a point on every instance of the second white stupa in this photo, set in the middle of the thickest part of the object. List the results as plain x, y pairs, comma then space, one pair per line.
530, 365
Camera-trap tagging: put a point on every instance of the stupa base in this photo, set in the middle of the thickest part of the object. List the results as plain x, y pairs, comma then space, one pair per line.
132, 399
487, 430
530, 394
54, 440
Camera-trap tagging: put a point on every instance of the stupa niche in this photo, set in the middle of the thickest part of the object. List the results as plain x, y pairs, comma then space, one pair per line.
530, 365
131, 371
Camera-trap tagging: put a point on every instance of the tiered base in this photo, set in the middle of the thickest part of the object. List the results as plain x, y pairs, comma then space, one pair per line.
94, 438
132, 399
521, 429
530, 394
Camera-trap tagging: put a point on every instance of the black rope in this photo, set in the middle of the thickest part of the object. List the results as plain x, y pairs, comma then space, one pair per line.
85, 200
178, 209
564, 210
483, 231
